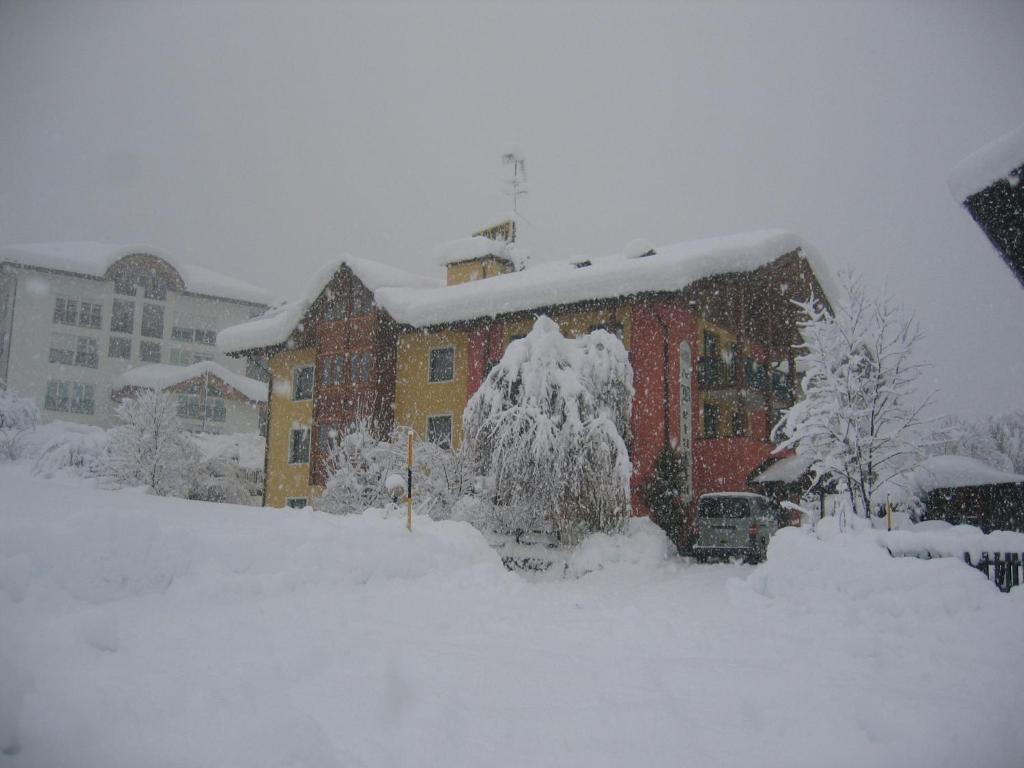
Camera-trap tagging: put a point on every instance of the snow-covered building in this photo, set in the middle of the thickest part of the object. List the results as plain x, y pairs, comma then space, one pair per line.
76, 316
210, 397
710, 327
988, 184
963, 490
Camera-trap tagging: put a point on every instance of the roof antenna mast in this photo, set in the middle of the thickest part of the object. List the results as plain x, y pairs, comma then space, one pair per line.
513, 156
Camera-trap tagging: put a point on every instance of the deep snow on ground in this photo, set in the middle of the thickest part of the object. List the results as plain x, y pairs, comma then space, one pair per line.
142, 631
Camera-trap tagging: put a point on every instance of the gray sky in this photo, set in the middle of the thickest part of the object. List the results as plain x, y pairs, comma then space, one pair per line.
262, 138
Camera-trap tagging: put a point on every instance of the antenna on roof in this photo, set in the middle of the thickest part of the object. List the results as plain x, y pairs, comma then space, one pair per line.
513, 156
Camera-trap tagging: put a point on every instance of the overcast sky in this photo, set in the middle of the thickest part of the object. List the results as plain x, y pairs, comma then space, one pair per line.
261, 139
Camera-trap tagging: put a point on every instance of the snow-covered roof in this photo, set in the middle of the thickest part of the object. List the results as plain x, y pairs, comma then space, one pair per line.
275, 325
421, 302
467, 248
670, 268
957, 472
785, 470
94, 259
161, 376
988, 164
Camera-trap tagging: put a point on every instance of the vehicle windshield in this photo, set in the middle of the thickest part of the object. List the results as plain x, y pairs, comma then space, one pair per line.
724, 506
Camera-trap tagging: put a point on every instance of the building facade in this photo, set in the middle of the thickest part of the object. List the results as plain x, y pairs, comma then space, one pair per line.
709, 327
76, 316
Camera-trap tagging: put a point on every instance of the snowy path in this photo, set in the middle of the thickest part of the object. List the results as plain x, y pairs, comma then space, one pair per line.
137, 631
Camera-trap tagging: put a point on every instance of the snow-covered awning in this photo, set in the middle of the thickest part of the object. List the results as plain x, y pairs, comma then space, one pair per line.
988, 164
160, 376
94, 259
786, 470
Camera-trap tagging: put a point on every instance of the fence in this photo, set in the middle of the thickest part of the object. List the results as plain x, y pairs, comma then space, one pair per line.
1001, 568
1004, 569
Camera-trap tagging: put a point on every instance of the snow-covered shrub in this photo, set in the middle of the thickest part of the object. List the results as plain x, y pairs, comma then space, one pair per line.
359, 465
81, 449
544, 429
859, 417
150, 447
18, 415
220, 478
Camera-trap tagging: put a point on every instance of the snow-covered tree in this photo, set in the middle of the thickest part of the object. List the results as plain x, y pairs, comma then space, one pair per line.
1008, 433
955, 436
220, 478
859, 417
18, 415
544, 428
150, 447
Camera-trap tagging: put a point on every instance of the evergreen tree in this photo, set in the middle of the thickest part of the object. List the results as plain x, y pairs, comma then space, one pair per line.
662, 493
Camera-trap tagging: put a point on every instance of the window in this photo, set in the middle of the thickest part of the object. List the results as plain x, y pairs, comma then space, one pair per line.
361, 367
87, 353
65, 312
216, 410
149, 352
296, 502
123, 284
327, 436
739, 421
182, 334
153, 287
710, 420
439, 430
122, 316
442, 364
208, 338
121, 347
188, 406
90, 315
62, 348
264, 421
256, 368
153, 321
331, 370
298, 446
82, 398
362, 301
179, 356
302, 382
57, 396
710, 345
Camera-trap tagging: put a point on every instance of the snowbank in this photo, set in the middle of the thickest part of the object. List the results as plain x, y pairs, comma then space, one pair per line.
643, 546
145, 631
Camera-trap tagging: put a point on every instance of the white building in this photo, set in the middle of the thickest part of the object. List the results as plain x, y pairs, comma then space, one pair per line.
75, 316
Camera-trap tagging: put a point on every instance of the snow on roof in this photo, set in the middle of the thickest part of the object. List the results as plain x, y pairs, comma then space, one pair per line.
988, 164
161, 376
957, 472
785, 470
275, 325
94, 259
670, 268
467, 248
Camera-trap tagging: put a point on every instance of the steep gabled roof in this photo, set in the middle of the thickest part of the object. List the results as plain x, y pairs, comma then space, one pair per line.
990, 163
276, 325
160, 376
94, 259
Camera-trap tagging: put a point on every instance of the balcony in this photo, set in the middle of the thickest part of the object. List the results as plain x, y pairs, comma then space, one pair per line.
744, 374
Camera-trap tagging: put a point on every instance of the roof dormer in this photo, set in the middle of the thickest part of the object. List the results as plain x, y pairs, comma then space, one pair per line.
486, 254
